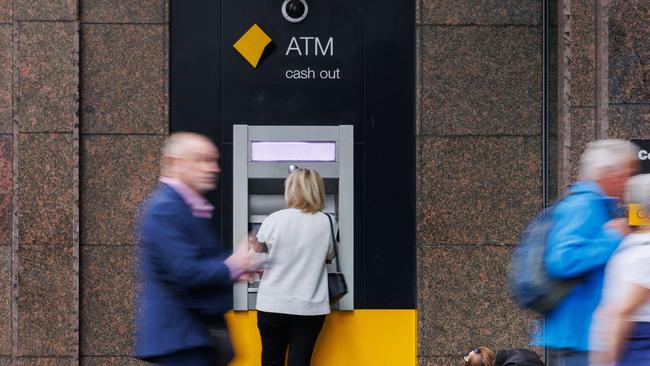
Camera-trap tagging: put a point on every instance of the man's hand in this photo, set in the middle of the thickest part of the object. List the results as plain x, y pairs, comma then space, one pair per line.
243, 262
621, 225
240, 261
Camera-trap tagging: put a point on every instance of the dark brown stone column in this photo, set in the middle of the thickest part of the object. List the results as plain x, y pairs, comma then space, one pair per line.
629, 69
6, 181
124, 119
45, 301
607, 79
479, 169
577, 84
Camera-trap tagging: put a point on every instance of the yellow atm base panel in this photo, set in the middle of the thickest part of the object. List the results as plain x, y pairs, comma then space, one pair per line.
349, 338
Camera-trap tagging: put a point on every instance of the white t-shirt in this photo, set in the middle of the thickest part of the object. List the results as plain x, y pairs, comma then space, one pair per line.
295, 281
629, 265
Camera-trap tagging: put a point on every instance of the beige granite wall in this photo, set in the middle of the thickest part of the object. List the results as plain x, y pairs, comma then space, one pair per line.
478, 169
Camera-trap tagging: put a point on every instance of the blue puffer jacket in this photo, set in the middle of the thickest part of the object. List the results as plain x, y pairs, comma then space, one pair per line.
579, 245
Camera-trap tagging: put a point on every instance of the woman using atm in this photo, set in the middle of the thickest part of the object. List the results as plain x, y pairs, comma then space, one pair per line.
292, 299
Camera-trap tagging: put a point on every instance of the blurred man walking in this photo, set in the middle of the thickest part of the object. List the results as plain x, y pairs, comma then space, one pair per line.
186, 280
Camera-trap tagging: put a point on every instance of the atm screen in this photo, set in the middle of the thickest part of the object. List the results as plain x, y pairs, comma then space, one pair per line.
293, 151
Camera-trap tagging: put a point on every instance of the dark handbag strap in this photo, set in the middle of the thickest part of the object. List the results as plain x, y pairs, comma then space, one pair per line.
335, 243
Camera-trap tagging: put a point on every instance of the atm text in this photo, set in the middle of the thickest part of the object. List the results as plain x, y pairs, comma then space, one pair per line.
310, 46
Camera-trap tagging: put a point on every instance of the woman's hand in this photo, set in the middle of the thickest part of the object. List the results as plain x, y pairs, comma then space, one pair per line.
256, 245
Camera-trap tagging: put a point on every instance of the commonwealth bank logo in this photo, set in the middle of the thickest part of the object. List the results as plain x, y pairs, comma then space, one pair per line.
254, 46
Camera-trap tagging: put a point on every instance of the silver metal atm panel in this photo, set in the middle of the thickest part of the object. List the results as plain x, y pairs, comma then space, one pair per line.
251, 207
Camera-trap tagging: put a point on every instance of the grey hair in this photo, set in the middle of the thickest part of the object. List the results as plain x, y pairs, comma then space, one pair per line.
637, 190
177, 145
601, 156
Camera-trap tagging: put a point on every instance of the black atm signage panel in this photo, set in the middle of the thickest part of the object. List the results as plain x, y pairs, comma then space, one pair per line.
372, 86
278, 72
643, 155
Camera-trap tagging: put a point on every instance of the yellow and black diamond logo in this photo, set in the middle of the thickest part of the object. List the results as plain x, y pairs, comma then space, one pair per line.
254, 45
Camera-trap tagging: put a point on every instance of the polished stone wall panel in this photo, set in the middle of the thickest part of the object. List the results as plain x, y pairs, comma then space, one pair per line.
481, 80
111, 361
6, 189
123, 11
485, 12
463, 301
46, 189
629, 121
108, 284
5, 300
124, 79
6, 214
6, 158
629, 51
477, 190
47, 76
441, 361
583, 130
47, 318
45, 361
583, 53
5, 12
6, 74
117, 172
50, 10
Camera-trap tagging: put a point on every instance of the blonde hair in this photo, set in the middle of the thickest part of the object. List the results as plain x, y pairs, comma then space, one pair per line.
304, 189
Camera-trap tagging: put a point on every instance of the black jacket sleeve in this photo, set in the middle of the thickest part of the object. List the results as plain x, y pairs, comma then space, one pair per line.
517, 357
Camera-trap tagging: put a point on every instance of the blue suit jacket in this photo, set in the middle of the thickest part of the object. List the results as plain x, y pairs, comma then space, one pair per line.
184, 279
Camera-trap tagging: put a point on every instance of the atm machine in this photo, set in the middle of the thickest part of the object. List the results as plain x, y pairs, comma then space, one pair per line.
263, 156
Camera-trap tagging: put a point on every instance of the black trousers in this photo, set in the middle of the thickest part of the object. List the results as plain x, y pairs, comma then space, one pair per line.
297, 332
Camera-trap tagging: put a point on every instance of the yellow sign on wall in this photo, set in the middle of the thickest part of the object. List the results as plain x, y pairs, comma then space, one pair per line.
252, 45
638, 215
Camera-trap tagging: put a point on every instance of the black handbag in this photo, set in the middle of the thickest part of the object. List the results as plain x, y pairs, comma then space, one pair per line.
335, 280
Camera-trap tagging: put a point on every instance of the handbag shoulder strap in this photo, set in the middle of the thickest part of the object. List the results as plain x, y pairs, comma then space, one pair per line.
334, 242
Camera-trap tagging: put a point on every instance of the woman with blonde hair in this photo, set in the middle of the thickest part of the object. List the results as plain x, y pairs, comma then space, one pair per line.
292, 299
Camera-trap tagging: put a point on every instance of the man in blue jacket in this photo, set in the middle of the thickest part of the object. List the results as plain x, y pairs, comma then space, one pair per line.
585, 233
186, 279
